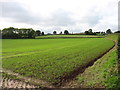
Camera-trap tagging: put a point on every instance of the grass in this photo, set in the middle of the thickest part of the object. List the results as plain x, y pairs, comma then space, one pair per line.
51, 58
113, 36
66, 36
104, 73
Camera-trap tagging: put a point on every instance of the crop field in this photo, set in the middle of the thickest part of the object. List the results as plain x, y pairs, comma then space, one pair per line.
51, 59
68, 36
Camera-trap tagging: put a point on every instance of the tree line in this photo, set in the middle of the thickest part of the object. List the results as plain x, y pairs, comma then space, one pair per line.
90, 32
15, 33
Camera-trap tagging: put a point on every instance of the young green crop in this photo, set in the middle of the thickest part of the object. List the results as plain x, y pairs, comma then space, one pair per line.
49, 59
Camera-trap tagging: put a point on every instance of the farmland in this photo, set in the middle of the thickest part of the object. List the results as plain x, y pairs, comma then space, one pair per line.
51, 59
68, 36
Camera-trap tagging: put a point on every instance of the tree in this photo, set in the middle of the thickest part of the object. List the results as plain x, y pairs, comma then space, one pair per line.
117, 32
42, 33
66, 32
102, 33
90, 31
9, 33
86, 32
60, 32
54, 32
31, 33
108, 31
38, 32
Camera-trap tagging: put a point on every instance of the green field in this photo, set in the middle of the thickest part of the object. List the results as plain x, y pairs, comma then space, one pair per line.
50, 59
113, 36
68, 36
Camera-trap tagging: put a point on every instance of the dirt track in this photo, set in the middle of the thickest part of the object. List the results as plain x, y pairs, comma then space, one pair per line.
22, 82
8, 83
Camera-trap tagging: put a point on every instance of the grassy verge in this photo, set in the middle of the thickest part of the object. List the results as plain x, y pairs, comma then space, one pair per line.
118, 52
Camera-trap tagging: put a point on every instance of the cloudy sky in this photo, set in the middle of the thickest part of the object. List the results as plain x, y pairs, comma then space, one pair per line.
49, 15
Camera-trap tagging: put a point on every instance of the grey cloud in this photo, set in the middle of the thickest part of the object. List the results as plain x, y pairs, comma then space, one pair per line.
18, 13
58, 20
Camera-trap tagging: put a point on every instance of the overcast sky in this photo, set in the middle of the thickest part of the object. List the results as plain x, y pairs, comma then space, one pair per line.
50, 15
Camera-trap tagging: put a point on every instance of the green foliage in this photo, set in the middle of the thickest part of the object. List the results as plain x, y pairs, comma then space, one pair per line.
108, 31
66, 32
42, 33
86, 32
54, 32
38, 32
89, 32
51, 58
15, 33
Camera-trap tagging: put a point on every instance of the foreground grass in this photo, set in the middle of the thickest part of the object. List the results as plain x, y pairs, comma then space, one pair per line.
51, 58
104, 73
